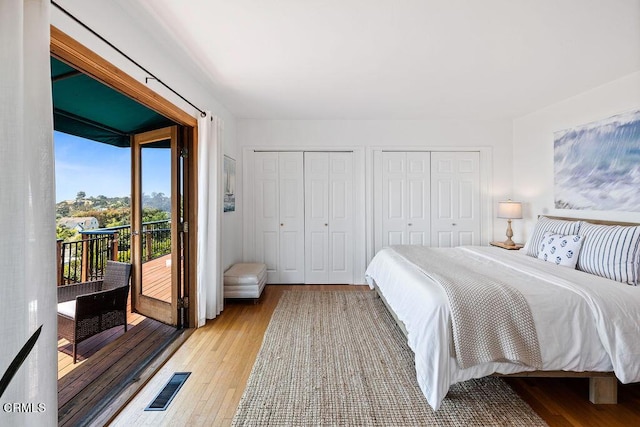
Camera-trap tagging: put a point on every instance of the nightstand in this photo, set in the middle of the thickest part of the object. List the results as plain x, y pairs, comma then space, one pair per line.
503, 246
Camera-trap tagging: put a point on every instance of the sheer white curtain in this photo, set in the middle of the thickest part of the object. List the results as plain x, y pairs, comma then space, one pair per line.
27, 214
210, 284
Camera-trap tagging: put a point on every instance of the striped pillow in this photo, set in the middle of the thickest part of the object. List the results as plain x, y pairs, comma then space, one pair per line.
545, 224
610, 251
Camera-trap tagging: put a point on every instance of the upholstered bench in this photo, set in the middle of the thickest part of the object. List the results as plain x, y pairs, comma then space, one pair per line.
245, 280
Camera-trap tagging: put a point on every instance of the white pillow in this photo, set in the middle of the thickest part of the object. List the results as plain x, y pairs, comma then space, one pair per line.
545, 224
559, 249
611, 251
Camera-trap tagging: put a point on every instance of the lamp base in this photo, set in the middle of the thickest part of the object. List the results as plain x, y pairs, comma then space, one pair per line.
509, 242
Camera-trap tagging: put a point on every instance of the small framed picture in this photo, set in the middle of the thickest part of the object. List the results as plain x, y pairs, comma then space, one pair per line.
229, 184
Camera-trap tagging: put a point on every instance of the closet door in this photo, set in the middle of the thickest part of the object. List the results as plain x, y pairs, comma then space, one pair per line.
341, 218
405, 198
291, 217
417, 199
279, 215
329, 217
394, 195
455, 194
267, 213
316, 182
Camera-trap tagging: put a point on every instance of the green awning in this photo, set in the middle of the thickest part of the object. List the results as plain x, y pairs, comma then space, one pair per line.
87, 108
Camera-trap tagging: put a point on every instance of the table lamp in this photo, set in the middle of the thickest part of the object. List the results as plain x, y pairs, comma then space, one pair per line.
509, 210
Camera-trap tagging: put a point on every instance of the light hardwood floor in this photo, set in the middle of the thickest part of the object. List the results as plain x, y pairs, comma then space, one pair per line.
221, 355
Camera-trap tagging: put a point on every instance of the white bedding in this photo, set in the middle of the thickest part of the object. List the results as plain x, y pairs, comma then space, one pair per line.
584, 322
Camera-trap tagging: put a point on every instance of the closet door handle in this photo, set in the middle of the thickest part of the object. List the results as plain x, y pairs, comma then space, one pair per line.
326, 225
281, 225
409, 224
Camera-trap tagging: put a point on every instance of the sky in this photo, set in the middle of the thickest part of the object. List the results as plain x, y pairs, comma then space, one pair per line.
101, 169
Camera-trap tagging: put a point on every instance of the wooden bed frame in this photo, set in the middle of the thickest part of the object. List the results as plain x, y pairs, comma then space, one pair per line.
603, 386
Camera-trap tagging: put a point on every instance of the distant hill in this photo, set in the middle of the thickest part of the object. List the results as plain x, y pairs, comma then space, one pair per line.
114, 211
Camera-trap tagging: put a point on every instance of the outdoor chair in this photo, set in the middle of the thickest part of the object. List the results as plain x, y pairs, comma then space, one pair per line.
88, 308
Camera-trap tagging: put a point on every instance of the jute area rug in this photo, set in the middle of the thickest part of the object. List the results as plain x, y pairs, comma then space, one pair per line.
338, 358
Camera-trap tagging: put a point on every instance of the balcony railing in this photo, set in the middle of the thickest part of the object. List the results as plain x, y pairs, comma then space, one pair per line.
85, 259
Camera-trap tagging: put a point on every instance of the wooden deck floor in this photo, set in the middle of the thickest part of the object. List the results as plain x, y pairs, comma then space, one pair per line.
91, 346
112, 358
156, 283
156, 278
83, 392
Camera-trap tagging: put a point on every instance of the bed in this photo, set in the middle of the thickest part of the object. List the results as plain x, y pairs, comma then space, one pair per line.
585, 318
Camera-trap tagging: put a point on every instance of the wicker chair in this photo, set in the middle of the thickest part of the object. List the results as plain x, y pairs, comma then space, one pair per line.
88, 308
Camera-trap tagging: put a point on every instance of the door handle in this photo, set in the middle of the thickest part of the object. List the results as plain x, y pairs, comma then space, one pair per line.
326, 225
281, 225
409, 224
454, 224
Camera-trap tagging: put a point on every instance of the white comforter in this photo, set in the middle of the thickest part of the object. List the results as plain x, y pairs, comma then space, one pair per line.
584, 322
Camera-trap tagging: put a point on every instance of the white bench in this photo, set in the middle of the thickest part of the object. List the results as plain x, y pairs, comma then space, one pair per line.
245, 280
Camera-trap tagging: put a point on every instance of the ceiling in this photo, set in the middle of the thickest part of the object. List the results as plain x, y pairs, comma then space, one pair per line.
82, 106
399, 59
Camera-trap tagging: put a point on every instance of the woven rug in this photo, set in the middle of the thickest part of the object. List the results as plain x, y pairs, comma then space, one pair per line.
338, 358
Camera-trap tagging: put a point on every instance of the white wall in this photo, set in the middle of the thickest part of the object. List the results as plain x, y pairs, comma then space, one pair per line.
164, 58
232, 221
533, 148
404, 134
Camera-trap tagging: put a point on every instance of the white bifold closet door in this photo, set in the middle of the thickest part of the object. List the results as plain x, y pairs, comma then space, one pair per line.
455, 198
279, 215
328, 217
405, 198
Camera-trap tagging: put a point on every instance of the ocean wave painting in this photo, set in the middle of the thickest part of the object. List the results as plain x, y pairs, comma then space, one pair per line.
597, 165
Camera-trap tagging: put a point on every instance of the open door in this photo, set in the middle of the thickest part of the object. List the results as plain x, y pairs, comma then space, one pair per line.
157, 225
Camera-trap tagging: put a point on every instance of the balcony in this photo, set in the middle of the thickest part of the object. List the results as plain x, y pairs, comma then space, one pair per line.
85, 259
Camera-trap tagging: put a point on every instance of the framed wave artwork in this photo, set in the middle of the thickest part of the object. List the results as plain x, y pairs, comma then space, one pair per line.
597, 165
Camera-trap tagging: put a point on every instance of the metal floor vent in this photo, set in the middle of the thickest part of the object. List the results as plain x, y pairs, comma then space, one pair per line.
168, 392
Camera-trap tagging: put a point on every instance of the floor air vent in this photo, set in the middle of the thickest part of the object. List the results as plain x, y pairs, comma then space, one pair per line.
168, 392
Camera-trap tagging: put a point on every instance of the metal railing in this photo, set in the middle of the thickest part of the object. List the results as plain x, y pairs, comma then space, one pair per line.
156, 240
85, 259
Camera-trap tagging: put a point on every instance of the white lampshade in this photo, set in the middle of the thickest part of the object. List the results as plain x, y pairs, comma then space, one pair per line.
510, 210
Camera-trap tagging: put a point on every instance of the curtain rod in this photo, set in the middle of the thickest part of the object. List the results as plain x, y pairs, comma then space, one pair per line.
202, 113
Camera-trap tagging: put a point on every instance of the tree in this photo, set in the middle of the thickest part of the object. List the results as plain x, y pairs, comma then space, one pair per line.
151, 214
63, 209
156, 201
66, 234
100, 202
80, 199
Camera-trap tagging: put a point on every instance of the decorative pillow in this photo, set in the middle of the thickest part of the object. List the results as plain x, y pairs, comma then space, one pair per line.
559, 249
545, 224
611, 251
